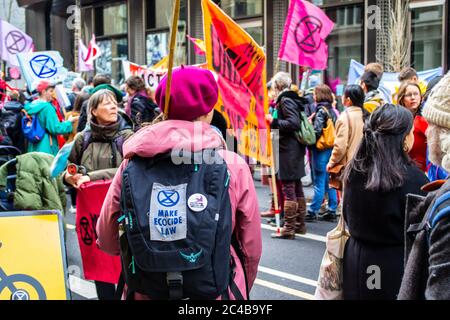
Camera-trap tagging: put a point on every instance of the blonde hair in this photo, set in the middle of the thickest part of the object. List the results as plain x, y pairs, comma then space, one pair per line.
438, 140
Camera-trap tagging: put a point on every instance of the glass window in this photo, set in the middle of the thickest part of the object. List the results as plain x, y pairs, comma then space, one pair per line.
157, 47
426, 48
255, 30
110, 62
242, 8
115, 19
345, 42
159, 19
159, 13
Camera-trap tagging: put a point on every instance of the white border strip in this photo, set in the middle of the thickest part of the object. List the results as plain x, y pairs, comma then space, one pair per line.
292, 292
288, 276
310, 236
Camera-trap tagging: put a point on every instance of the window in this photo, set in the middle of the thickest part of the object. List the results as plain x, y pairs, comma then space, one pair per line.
111, 20
345, 42
159, 19
427, 40
255, 30
110, 62
242, 8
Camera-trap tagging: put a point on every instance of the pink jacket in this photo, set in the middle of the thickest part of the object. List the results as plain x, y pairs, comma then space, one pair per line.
194, 137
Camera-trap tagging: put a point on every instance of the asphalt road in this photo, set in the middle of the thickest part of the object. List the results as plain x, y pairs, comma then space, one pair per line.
288, 269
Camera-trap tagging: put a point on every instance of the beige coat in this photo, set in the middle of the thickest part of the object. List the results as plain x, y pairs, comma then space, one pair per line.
348, 136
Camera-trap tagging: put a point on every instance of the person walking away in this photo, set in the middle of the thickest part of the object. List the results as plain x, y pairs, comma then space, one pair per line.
291, 155
151, 175
139, 107
427, 270
99, 151
324, 99
349, 129
409, 96
369, 83
48, 119
11, 120
376, 182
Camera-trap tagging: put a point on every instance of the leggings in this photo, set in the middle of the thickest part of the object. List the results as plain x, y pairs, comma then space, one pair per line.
292, 190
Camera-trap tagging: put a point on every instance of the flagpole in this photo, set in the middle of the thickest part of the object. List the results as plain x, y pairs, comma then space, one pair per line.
274, 186
173, 38
77, 33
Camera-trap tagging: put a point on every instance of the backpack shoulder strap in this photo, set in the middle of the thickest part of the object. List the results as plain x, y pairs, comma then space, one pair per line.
440, 209
87, 137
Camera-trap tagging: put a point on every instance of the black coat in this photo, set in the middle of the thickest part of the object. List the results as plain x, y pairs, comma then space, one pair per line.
291, 152
376, 225
142, 111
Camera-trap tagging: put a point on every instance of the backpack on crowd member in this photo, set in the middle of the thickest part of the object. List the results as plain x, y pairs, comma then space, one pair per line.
142, 110
32, 128
422, 216
326, 140
306, 135
176, 228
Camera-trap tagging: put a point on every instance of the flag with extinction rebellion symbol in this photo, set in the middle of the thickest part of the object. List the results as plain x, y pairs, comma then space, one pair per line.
12, 42
306, 29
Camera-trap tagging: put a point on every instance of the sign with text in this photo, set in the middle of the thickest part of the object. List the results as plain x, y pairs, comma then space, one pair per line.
239, 63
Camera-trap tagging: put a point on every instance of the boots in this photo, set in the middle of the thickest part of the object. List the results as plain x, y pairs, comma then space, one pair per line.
290, 216
300, 226
271, 212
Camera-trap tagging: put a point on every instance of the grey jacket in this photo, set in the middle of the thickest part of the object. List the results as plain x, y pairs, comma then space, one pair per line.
427, 271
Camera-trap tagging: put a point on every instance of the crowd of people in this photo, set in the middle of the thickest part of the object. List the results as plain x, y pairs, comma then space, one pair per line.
372, 149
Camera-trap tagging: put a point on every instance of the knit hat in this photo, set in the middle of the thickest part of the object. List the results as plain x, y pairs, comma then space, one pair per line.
437, 108
194, 93
117, 92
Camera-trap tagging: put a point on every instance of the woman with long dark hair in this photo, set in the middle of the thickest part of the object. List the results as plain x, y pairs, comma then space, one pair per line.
376, 182
409, 96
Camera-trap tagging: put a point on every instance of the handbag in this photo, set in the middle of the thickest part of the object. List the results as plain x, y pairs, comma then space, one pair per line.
336, 173
326, 140
330, 281
306, 135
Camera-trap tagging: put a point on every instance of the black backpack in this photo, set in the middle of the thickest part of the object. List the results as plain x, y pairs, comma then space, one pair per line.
176, 227
142, 111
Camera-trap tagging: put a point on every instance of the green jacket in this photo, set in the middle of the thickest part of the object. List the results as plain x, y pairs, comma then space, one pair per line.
35, 190
97, 158
49, 120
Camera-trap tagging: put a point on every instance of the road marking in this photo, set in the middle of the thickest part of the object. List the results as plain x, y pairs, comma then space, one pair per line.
284, 289
310, 236
82, 287
70, 226
288, 276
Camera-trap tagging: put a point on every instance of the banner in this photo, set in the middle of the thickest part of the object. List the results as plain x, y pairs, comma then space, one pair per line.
199, 45
12, 42
32, 256
83, 65
151, 77
305, 31
97, 265
240, 65
42, 65
389, 81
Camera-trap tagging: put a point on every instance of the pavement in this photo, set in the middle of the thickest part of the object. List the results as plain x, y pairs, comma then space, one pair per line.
288, 269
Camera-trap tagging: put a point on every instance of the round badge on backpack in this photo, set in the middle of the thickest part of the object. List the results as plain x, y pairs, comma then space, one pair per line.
197, 202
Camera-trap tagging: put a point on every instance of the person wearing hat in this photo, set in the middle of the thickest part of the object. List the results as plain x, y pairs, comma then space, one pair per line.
194, 93
48, 118
427, 269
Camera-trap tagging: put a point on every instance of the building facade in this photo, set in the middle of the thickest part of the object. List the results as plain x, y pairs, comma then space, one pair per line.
138, 31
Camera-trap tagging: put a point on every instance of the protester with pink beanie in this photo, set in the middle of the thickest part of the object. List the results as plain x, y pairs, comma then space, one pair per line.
194, 93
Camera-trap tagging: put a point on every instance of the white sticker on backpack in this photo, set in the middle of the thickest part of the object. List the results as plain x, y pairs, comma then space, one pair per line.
168, 219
